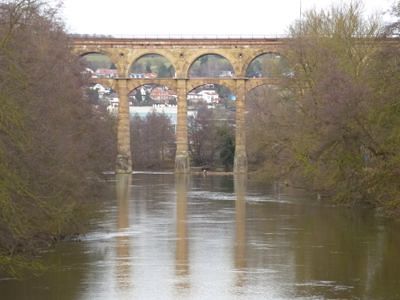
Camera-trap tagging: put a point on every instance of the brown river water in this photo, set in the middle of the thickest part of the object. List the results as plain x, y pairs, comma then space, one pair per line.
218, 237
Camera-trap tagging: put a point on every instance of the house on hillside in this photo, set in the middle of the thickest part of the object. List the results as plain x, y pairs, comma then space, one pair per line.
150, 75
136, 75
101, 90
225, 74
163, 95
106, 73
112, 107
207, 96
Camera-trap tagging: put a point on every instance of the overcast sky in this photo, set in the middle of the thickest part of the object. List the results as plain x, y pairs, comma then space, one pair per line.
192, 18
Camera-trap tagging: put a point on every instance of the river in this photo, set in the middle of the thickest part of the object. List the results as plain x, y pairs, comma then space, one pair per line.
217, 237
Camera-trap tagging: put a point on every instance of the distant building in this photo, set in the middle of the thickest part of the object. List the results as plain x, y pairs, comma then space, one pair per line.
101, 90
207, 96
162, 95
150, 75
226, 74
136, 75
106, 73
112, 107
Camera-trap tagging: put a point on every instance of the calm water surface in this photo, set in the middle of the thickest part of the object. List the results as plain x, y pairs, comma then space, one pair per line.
219, 237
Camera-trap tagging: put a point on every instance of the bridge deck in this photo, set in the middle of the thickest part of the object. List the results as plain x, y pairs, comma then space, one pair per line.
104, 41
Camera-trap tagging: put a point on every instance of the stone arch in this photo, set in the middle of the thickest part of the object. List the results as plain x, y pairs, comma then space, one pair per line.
220, 54
84, 52
260, 84
197, 82
250, 57
136, 83
273, 60
257, 82
107, 64
160, 55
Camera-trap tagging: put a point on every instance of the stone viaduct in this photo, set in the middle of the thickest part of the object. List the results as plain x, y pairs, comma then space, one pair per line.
181, 53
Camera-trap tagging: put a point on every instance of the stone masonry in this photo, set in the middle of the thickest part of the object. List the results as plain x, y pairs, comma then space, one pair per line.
181, 53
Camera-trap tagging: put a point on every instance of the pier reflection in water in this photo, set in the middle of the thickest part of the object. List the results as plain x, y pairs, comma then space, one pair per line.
182, 254
161, 236
240, 184
123, 254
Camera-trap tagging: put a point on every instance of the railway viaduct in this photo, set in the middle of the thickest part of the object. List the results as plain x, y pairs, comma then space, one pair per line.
181, 53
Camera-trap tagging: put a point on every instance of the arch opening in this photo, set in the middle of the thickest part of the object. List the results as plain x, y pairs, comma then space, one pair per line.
211, 66
268, 65
211, 126
267, 113
152, 66
98, 65
153, 111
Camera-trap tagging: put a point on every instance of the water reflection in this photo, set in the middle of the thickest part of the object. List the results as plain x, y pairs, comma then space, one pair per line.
182, 257
219, 237
240, 182
122, 273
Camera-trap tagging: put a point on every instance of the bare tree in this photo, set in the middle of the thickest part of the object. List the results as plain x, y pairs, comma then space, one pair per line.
153, 141
51, 139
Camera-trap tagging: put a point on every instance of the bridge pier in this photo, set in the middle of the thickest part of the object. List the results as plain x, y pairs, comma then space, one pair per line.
182, 163
124, 160
240, 161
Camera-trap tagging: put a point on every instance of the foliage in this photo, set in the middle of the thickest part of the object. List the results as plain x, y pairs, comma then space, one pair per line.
226, 146
267, 65
96, 61
51, 140
210, 65
153, 63
336, 124
153, 141
211, 141
268, 131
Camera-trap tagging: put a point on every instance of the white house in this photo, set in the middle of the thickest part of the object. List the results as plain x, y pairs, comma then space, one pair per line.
208, 96
101, 90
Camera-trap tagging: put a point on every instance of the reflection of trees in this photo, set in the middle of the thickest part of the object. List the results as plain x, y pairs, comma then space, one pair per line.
383, 271
122, 247
354, 252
